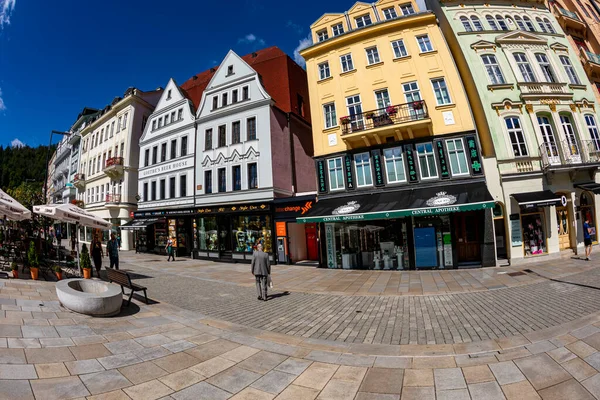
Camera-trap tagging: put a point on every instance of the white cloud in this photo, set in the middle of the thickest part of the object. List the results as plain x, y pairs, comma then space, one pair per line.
2, 105
16, 143
251, 38
304, 43
6, 9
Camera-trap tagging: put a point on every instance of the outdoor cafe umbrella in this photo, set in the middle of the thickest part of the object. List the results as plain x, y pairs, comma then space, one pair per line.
72, 214
12, 209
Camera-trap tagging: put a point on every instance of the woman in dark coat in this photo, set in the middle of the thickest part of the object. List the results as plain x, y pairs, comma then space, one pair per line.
97, 255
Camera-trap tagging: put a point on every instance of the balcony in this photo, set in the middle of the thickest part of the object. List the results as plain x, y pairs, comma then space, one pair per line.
540, 90
521, 165
79, 181
375, 126
570, 154
568, 20
112, 201
114, 167
591, 62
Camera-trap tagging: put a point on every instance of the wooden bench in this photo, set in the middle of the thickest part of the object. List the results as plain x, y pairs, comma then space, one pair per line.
124, 279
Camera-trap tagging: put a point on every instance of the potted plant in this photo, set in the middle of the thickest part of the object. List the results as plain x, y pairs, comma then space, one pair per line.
58, 271
418, 105
85, 262
15, 270
369, 115
391, 110
345, 120
34, 262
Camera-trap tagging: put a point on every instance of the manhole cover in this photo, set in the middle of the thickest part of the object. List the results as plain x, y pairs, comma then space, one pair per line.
516, 273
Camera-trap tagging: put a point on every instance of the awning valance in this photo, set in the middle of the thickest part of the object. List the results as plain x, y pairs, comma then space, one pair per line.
433, 200
589, 186
72, 214
12, 209
139, 224
544, 198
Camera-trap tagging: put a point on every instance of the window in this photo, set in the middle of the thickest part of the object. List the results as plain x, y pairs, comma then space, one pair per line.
208, 139
208, 182
322, 35
549, 26
112, 128
493, 69
160, 122
184, 147
167, 119
336, 174
145, 192
520, 23
337, 29
354, 106
235, 132
457, 156
407, 9
412, 95
169, 94
173, 117
324, 70
399, 48
372, 55
394, 165
427, 164
300, 102
163, 189
363, 20
545, 66
215, 104
234, 96
147, 157
180, 114
222, 139
528, 24
583, 9
252, 176
492, 23
524, 67
424, 43
154, 125
229, 70
251, 129
390, 13
501, 23
548, 136
122, 149
517, 138
172, 187
173, 148
236, 176
163, 152
183, 186
362, 163
442, 96
98, 166
541, 24
154, 155
476, 23
153, 190
569, 132
466, 24
594, 14
330, 117
590, 121
347, 64
224, 100
222, 180
245, 93
382, 98
569, 70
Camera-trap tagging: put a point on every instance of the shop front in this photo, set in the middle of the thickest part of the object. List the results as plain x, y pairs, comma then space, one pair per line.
231, 232
295, 242
418, 228
587, 206
152, 229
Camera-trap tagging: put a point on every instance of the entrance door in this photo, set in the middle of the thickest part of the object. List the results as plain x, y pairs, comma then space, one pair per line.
225, 236
562, 221
467, 232
425, 248
312, 247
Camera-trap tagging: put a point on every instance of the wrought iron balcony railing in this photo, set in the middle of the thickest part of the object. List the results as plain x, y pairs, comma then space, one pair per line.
570, 153
591, 151
550, 155
391, 115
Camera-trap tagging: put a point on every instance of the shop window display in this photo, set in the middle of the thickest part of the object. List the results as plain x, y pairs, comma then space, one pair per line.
587, 212
249, 230
208, 233
534, 235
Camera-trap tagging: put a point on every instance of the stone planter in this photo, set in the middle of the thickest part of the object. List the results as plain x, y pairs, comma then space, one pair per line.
90, 296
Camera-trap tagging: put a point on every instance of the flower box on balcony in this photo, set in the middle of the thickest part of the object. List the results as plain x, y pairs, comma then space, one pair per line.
391, 110
345, 120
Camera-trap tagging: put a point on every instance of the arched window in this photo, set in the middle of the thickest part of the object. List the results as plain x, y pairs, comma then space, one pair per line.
476, 23
544, 64
549, 26
510, 23
524, 67
501, 22
566, 62
492, 22
493, 69
517, 138
520, 23
541, 24
548, 137
590, 121
466, 24
528, 24
569, 132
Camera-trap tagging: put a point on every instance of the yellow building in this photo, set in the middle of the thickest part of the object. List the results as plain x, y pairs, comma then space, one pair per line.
396, 151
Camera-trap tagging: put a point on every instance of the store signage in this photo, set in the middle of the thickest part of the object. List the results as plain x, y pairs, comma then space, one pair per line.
349, 173
412, 166
330, 244
543, 203
163, 213
441, 199
563, 201
322, 176
280, 228
348, 208
474, 156
293, 209
439, 146
377, 168
516, 236
166, 168
235, 208
447, 239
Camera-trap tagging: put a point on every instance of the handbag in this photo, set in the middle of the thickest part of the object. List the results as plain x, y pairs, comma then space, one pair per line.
270, 281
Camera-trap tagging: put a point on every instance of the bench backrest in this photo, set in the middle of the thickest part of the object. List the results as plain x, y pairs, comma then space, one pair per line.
122, 278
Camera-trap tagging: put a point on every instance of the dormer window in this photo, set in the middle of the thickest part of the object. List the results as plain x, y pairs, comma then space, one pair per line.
154, 125
169, 95
407, 9
363, 20
215, 102
224, 100
337, 29
390, 13
234, 96
245, 93
322, 35
230, 70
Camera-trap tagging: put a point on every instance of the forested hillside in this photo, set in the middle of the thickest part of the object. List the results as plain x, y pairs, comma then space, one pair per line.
19, 164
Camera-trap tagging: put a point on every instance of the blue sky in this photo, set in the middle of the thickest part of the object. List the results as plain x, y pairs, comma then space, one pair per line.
58, 56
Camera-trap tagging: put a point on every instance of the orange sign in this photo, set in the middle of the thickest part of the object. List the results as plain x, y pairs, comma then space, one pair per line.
280, 229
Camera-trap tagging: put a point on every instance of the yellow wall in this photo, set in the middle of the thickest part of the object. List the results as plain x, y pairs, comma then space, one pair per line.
390, 74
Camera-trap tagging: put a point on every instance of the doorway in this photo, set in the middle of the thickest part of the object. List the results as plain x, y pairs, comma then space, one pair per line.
312, 247
562, 225
500, 232
225, 236
467, 231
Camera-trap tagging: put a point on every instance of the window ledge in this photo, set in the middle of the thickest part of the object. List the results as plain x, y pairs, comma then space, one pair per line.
578, 86
374, 65
498, 86
348, 72
325, 79
331, 129
425, 53
406, 57
445, 106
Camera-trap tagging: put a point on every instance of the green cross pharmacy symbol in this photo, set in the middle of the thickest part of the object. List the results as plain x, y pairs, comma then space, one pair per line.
476, 166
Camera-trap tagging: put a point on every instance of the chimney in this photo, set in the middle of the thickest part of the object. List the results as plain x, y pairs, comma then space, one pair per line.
254, 55
212, 70
194, 77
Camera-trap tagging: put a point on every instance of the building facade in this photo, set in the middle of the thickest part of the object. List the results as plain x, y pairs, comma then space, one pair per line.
400, 177
64, 191
166, 176
109, 161
531, 97
253, 145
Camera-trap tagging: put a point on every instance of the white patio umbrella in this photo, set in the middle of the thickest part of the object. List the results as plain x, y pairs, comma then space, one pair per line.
72, 214
12, 209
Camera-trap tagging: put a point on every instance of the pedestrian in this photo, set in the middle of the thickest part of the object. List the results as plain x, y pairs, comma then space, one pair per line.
170, 249
261, 269
137, 244
58, 238
119, 240
97, 255
587, 238
73, 240
112, 251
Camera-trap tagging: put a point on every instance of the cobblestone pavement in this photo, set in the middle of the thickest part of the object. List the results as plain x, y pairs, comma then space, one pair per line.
435, 319
160, 351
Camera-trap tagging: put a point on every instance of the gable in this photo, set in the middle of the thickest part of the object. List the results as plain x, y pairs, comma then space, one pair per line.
360, 7
171, 95
559, 48
231, 69
483, 45
326, 19
520, 37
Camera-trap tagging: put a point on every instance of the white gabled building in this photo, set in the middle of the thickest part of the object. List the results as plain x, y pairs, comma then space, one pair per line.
166, 175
